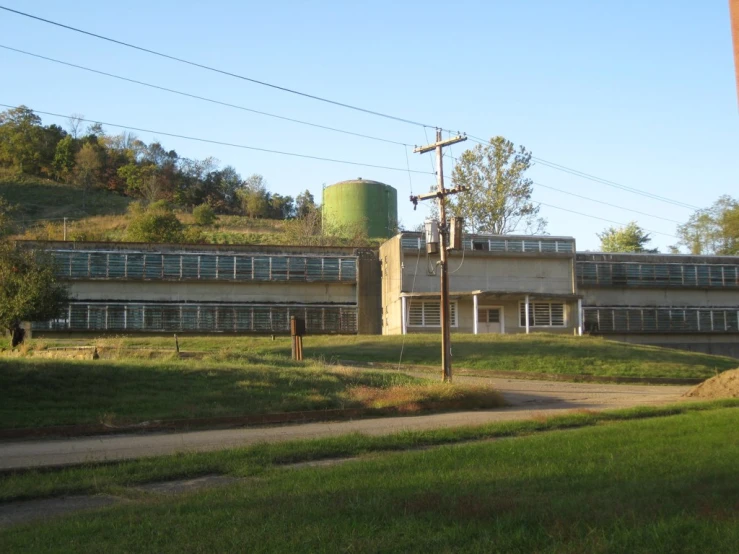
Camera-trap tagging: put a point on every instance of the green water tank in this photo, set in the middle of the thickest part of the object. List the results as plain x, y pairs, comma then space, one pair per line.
360, 204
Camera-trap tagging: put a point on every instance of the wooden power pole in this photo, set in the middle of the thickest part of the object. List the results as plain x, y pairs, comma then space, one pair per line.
440, 195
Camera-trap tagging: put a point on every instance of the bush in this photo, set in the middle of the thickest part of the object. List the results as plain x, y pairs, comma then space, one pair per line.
204, 215
158, 223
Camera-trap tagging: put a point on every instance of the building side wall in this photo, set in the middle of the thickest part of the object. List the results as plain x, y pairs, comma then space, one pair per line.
658, 297
391, 262
492, 273
159, 291
369, 294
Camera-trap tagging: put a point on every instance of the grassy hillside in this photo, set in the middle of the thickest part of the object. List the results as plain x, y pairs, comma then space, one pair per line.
42, 199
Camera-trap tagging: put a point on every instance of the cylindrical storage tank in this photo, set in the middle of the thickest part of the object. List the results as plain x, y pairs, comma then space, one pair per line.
360, 205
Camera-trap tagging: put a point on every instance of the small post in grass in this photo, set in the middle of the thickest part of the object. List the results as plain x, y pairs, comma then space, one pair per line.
297, 330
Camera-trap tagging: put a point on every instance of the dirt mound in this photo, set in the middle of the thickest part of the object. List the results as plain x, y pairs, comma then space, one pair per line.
724, 385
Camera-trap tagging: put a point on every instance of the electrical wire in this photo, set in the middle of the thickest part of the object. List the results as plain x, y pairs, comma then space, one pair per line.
607, 203
203, 98
215, 70
602, 219
233, 145
552, 165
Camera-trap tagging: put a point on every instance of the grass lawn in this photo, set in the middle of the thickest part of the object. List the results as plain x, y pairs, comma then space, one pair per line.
537, 353
655, 485
36, 392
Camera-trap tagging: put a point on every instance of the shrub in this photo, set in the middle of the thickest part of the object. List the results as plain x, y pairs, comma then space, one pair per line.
158, 223
204, 215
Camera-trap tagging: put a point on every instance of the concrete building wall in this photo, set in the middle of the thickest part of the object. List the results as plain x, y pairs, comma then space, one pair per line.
658, 297
213, 291
369, 294
486, 271
391, 262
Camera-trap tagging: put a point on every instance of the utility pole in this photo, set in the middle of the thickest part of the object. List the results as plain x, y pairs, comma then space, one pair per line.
440, 195
65, 228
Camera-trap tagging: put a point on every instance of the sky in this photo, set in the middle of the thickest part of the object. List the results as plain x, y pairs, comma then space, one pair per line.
636, 93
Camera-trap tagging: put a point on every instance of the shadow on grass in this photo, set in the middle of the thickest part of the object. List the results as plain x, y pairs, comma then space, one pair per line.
42, 392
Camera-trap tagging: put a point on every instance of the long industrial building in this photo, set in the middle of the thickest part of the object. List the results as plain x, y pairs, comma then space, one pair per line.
499, 284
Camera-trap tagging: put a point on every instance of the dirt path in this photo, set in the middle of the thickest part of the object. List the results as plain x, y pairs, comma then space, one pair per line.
527, 398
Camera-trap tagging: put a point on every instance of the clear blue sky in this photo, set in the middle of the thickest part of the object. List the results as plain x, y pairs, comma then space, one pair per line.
641, 93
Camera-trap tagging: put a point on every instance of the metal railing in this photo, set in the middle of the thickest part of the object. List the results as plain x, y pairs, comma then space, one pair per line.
660, 320
205, 266
634, 274
205, 318
501, 244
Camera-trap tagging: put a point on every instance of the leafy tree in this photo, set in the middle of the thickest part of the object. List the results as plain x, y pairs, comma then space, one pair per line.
713, 230
630, 238
204, 215
157, 223
30, 291
87, 169
64, 159
304, 204
499, 199
254, 197
21, 140
280, 207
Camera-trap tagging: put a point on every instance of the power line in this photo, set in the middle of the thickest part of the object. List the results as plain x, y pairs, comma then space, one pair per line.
553, 165
601, 218
606, 203
203, 98
222, 143
216, 70
600, 180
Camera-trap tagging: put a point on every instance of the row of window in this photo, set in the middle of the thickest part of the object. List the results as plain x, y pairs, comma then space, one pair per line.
189, 267
662, 320
656, 275
501, 244
427, 313
205, 318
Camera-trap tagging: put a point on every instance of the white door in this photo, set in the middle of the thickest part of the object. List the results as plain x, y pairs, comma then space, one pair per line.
490, 319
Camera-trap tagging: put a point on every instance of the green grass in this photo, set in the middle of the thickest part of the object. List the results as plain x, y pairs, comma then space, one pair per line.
38, 392
656, 485
255, 460
535, 353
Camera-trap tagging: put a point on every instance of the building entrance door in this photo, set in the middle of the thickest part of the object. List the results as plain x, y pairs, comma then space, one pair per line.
490, 319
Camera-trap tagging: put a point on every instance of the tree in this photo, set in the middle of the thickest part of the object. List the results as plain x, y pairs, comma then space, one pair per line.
87, 168
254, 197
713, 230
630, 238
280, 207
157, 223
304, 204
30, 291
499, 199
21, 140
64, 158
204, 215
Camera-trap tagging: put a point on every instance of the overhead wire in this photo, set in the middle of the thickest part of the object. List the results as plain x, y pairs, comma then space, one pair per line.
479, 140
601, 218
230, 144
214, 69
203, 98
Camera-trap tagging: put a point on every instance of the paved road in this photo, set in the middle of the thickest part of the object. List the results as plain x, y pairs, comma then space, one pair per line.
527, 398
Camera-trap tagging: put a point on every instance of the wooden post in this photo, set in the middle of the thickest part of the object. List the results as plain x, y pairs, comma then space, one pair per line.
440, 195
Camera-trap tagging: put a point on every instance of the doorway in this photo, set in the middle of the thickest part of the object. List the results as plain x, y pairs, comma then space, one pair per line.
490, 319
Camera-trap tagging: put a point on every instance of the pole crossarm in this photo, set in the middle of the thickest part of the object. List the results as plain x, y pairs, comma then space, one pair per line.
441, 143
436, 195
